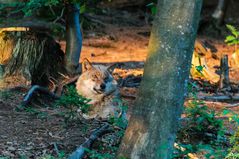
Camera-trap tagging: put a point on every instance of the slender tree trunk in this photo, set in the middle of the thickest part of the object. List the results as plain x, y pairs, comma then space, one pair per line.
220, 11
73, 38
154, 121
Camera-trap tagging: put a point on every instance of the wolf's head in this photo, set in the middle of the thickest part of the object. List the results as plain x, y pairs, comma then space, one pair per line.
95, 81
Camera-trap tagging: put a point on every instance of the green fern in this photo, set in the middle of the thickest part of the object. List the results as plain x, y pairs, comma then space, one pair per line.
232, 39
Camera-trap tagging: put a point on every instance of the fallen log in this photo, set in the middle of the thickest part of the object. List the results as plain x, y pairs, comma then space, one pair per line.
224, 81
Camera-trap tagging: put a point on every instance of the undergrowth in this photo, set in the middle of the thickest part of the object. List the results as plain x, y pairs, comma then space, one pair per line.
107, 146
204, 133
74, 104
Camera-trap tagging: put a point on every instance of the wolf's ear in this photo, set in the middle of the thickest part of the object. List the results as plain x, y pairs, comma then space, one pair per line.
86, 65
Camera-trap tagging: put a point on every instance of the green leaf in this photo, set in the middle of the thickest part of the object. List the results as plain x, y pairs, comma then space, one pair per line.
230, 38
232, 30
153, 10
226, 112
199, 68
234, 42
83, 8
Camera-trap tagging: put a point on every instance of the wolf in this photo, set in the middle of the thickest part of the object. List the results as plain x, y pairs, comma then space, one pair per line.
97, 83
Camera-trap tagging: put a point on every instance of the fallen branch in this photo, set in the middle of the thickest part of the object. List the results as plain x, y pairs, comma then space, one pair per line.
221, 98
80, 151
232, 105
128, 96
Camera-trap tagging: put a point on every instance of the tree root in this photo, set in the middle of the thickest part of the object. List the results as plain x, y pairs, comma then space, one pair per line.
80, 151
29, 95
64, 83
36, 88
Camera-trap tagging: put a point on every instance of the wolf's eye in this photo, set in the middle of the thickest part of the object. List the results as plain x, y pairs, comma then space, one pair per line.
106, 79
94, 78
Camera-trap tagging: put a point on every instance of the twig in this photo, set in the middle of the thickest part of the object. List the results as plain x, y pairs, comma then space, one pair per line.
80, 151
65, 76
56, 149
52, 11
59, 17
53, 85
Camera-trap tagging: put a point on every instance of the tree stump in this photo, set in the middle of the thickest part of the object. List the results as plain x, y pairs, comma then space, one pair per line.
224, 76
29, 57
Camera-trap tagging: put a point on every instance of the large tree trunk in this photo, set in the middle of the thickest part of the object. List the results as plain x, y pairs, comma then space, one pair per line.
154, 121
73, 38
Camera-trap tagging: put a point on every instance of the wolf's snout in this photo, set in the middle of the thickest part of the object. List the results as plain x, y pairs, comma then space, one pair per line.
102, 86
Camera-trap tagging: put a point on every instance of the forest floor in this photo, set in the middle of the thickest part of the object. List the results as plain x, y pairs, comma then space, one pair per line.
116, 37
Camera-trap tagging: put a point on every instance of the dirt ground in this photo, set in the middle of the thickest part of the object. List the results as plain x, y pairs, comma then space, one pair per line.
119, 37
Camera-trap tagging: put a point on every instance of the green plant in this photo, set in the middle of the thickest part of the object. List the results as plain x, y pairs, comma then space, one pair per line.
73, 102
234, 150
232, 39
5, 94
37, 9
120, 120
35, 112
202, 132
234, 139
152, 6
96, 155
61, 155
203, 119
199, 68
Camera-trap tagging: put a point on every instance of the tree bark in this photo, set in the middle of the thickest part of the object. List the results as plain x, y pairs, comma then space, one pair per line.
154, 121
73, 38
